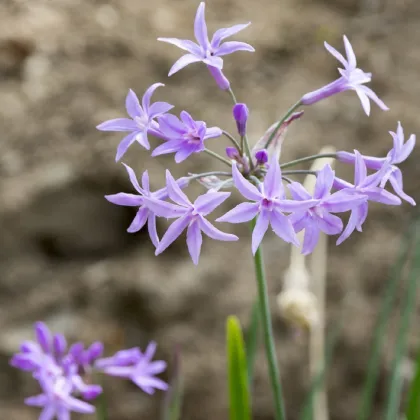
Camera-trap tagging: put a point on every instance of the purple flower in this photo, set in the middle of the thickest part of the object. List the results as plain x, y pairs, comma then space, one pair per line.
143, 214
136, 366
184, 137
398, 154
240, 114
209, 53
141, 121
364, 185
269, 203
188, 215
319, 218
352, 78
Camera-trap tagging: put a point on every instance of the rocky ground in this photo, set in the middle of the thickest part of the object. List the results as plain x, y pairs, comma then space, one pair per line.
65, 66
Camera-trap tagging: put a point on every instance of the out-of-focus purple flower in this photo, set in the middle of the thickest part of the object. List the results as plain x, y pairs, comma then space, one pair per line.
209, 53
136, 366
240, 114
398, 154
364, 185
141, 121
189, 215
143, 214
184, 136
319, 218
269, 203
352, 78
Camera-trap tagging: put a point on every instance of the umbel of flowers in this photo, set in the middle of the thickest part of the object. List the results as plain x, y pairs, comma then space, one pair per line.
271, 199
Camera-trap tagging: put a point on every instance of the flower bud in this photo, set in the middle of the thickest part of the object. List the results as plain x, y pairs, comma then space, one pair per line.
219, 77
232, 153
241, 113
261, 157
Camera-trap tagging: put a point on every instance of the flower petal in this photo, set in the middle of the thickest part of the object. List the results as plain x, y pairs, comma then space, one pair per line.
164, 209
125, 143
206, 203
406, 149
159, 108
324, 182
354, 221
184, 44
124, 199
283, 227
187, 151
214, 233
171, 126
48, 413
273, 185
231, 47
310, 238
145, 181
342, 201
139, 220
360, 171
298, 191
118, 124
299, 220
396, 181
336, 54
173, 232
259, 230
351, 57
151, 226
213, 132
175, 193
194, 241
37, 400
372, 95
132, 105
200, 27
223, 33
363, 99
182, 62
243, 212
170, 146
330, 224
133, 179
248, 190
148, 95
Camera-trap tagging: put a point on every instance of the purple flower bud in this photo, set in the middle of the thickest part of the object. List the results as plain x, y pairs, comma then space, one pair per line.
261, 156
219, 77
76, 351
43, 336
94, 351
59, 345
241, 113
232, 153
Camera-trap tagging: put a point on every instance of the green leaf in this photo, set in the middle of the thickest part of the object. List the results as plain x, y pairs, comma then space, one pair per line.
251, 341
239, 399
173, 399
413, 406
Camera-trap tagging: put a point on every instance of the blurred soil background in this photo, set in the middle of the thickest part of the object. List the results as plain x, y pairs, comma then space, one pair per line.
65, 256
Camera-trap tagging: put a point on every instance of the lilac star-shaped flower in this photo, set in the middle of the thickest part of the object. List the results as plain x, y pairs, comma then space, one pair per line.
209, 53
136, 366
143, 214
141, 121
364, 185
319, 218
352, 78
269, 203
185, 136
398, 154
189, 215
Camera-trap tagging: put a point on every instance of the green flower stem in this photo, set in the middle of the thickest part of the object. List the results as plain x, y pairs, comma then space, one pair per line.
217, 156
212, 173
232, 95
307, 159
285, 117
232, 139
300, 172
265, 320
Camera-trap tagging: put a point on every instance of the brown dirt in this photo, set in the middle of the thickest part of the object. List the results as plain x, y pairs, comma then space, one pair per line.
65, 66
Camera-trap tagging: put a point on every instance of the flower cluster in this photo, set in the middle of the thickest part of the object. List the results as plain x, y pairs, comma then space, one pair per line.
274, 199
65, 374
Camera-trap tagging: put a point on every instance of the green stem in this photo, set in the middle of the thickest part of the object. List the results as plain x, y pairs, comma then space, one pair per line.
307, 159
212, 173
300, 172
270, 350
217, 156
232, 139
232, 95
285, 117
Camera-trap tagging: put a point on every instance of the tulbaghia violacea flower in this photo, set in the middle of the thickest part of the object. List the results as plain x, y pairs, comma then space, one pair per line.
189, 215
364, 185
141, 121
352, 78
143, 214
398, 154
184, 136
319, 218
209, 53
137, 366
269, 203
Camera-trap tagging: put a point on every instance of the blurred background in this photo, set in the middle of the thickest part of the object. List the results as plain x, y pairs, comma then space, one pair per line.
65, 255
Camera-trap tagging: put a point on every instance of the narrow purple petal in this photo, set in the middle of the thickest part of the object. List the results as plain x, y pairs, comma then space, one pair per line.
259, 230
273, 185
212, 132
173, 232
372, 95
214, 233
342, 201
139, 220
164, 209
298, 191
351, 57
125, 143
243, 212
186, 151
43, 336
182, 62
37, 400
300, 220
150, 351
200, 27
330, 224
59, 345
142, 139
151, 226
170, 146
360, 171
118, 124
133, 179
149, 384
292, 205
159, 108
354, 221
194, 241
231, 47
184, 44
406, 149
283, 227
188, 120
79, 406
223, 33
248, 190
132, 105
310, 238
363, 99
214, 61
148, 95
158, 366
336, 54
324, 182
123, 199
48, 413
171, 126
174, 191
206, 203
396, 181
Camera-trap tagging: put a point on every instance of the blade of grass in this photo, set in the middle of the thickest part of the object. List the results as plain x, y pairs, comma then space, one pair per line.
372, 375
408, 306
239, 399
413, 406
251, 341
